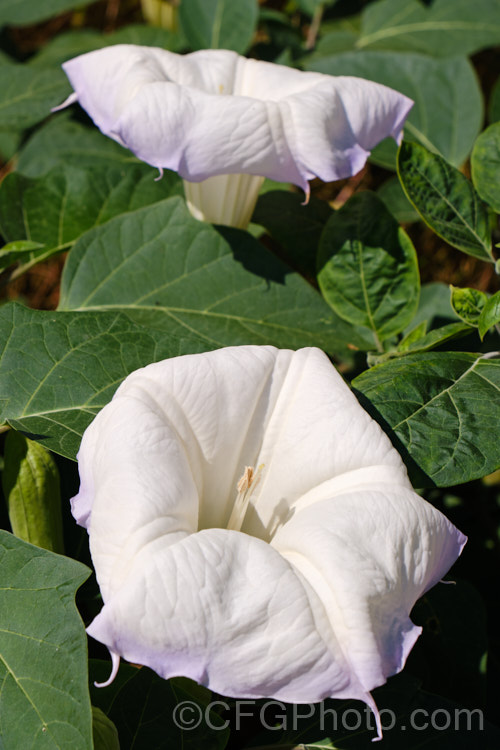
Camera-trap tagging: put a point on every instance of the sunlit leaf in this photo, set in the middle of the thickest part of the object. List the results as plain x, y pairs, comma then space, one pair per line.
445, 199
44, 699
440, 410
27, 94
468, 304
485, 164
490, 315
185, 277
54, 210
367, 268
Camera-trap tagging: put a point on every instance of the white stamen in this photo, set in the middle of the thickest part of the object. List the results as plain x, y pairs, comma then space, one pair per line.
246, 486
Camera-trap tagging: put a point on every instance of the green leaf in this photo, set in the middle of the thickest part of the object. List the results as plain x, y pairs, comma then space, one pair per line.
434, 338
28, 94
145, 710
367, 268
219, 24
9, 144
30, 483
56, 209
104, 732
440, 411
23, 12
490, 315
468, 304
396, 201
65, 46
44, 700
296, 227
445, 199
415, 334
448, 111
57, 370
434, 305
485, 164
443, 29
416, 342
63, 142
18, 250
176, 274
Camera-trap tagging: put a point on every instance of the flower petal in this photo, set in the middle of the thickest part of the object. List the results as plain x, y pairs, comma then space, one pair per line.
213, 112
369, 555
228, 611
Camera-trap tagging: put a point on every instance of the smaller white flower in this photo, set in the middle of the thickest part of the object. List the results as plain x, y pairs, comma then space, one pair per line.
252, 528
224, 122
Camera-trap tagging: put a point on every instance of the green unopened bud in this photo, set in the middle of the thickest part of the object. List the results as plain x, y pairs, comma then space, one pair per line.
104, 731
30, 483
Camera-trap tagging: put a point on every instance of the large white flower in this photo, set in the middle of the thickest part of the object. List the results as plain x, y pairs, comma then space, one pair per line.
224, 122
253, 528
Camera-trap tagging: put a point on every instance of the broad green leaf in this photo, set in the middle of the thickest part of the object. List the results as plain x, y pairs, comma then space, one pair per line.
490, 315
415, 334
28, 94
396, 201
335, 42
30, 483
54, 210
445, 199
448, 111
44, 701
63, 142
219, 23
434, 305
104, 732
9, 144
367, 268
183, 276
468, 304
440, 411
434, 338
147, 710
443, 29
485, 164
22, 12
65, 46
18, 250
417, 342
296, 227
57, 370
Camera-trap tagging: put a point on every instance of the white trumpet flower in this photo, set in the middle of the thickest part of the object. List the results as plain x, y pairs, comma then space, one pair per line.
224, 122
253, 528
